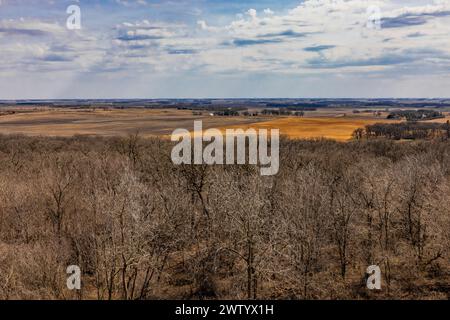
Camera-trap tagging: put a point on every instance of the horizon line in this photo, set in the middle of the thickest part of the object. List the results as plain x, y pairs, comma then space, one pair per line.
242, 98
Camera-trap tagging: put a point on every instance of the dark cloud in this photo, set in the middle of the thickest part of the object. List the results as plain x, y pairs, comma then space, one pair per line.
286, 33
416, 35
252, 42
407, 20
136, 37
267, 38
56, 58
402, 21
319, 48
181, 51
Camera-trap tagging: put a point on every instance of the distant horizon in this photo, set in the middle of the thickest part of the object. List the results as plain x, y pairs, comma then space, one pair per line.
220, 98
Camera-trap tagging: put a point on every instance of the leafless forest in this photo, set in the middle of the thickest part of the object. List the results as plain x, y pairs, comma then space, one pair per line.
141, 228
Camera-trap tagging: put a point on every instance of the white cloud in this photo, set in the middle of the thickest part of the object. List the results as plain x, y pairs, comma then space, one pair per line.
128, 3
321, 36
318, 38
252, 13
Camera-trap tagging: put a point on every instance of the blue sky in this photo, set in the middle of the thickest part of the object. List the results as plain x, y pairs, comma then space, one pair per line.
220, 49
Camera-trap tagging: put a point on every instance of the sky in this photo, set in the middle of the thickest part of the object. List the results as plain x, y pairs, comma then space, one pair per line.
225, 49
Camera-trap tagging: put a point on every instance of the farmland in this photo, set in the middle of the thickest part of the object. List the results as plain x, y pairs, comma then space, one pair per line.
69, 122
334, 128
337, 124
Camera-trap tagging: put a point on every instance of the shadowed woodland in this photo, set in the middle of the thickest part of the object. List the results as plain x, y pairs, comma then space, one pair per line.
141, 228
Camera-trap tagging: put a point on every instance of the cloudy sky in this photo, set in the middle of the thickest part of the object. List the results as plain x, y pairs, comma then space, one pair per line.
218, 48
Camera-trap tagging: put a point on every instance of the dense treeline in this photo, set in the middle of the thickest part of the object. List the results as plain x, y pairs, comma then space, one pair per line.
141, 228
292, 107
283, 112
416, 115
405, 130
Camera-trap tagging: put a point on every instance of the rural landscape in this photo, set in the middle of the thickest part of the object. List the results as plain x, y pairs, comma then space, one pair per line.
199, 151
296, 118
95, 187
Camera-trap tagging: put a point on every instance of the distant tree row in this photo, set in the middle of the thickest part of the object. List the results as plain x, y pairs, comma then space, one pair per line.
405, 130
226, 113
282, 112
246, 113
291, 107
415, 115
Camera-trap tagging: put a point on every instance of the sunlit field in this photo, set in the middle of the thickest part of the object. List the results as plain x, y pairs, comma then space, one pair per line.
340, 129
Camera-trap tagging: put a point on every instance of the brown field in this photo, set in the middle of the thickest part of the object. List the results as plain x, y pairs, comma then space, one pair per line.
69, 122
337, 124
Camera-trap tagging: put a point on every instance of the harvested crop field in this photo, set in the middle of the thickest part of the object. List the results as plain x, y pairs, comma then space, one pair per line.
69, 122
340, 129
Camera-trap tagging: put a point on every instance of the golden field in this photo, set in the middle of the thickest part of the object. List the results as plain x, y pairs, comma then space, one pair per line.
337, 124
339, 129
